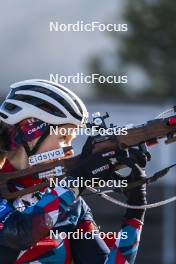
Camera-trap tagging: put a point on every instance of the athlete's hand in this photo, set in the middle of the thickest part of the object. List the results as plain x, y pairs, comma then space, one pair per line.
95, 165
136, 160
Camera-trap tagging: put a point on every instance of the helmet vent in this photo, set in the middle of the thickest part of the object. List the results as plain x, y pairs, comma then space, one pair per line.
11, 108
3, 115
77, 104
49, 93
38, 102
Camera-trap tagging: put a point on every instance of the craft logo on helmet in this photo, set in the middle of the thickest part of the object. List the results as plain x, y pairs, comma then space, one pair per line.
46, 156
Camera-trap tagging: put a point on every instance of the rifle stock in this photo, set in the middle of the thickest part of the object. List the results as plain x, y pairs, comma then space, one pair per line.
146, 133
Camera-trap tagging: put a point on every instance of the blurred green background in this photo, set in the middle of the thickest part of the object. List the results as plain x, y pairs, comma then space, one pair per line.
146, 53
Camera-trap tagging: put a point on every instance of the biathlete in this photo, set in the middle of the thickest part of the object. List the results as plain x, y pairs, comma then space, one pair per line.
26, 115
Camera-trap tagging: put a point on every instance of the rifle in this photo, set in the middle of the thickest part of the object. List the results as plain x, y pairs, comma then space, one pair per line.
140, 136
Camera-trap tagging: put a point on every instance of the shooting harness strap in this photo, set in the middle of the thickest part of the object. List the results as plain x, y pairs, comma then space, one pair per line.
147, 181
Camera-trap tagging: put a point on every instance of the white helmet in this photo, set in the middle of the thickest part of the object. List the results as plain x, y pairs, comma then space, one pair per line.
44, 100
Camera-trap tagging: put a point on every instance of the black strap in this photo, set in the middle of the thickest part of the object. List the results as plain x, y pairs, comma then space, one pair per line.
42, 138
157, 175
26, 147
30, 152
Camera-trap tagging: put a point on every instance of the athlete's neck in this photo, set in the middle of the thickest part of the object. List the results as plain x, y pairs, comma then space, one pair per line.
18, 159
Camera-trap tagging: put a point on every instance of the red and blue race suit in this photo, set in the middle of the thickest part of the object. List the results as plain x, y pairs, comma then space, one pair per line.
20, 229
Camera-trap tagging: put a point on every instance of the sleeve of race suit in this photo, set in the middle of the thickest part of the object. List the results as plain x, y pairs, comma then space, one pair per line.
124, 250
20, 230
119, 249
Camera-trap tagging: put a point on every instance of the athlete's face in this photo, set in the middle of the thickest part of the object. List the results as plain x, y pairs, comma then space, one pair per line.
62, 137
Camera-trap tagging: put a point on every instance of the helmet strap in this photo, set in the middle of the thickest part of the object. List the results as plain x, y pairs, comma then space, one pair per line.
32, 151
41, 139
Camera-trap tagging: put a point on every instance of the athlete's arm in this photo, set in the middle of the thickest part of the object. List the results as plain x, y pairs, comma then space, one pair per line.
23, 229
125, 250
20, 230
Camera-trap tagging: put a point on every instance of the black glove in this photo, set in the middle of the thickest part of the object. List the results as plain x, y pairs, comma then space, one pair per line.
87, 148
96, 165
136, 196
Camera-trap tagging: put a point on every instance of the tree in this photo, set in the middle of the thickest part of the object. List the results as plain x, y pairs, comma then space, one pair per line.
150, 44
